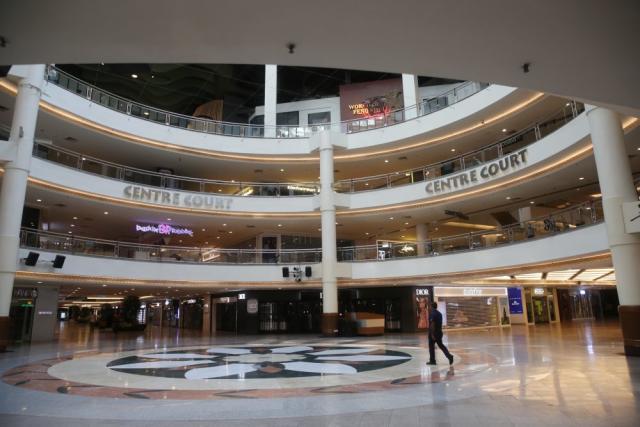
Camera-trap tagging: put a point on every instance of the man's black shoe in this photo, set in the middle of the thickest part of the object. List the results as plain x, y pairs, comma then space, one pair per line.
450, 359
431, 362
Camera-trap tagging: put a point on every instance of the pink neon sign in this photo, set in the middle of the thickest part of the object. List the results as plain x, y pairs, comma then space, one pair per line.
164, 229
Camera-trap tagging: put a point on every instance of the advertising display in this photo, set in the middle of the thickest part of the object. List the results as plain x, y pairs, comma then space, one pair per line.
370, 99
515, 300
423, 300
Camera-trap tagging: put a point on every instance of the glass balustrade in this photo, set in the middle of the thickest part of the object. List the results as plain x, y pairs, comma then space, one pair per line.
492, 152
505, 146
132, 108
559, 222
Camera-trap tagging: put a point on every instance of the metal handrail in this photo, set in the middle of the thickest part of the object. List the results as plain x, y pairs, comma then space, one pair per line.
538, 130
218, 127
561, 221
89, 164
76, 160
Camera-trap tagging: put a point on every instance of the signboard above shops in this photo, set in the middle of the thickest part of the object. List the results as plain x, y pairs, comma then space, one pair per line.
631, 213
442, 291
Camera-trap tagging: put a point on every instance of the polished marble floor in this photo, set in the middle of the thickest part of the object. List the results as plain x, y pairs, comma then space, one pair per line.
572, 374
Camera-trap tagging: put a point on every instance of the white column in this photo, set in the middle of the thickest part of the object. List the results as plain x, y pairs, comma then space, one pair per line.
328, 224
421, 238
410, 94
270, 99
616, 186
14, 184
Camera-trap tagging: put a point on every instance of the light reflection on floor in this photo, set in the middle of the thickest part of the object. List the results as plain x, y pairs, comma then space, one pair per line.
552, 374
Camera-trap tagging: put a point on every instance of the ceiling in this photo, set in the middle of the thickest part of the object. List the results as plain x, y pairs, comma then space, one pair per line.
575, 48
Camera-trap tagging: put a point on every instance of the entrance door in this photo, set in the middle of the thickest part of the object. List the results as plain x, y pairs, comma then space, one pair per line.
540, 310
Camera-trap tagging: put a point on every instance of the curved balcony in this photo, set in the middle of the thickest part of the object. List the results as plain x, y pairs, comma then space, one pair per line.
77, 107
475, 159
566, 234
241, 130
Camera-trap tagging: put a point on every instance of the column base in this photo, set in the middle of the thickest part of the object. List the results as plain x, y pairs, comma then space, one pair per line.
630, 324
329, 324
4, 333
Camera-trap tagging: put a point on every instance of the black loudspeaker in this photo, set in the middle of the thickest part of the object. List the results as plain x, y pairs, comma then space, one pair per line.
59, 261
31, 259
307, 271
285, 271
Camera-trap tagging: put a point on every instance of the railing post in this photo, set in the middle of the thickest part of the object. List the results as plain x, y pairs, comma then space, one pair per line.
202, 186
388, 181
116, 250
500, 150
128, 108
167, 119
89, 92
536, 130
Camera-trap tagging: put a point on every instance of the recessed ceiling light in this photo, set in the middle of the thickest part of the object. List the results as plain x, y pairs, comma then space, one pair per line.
508, 197
453, 150
230, 232
532, 202
206, 243
218, 237
38, 200
219, 190
106, 212
135, 76
402, 236
504, 130
367, 233
73, 225
224, 225
169, 219
390, 217
70, 232
281, 170
406, 223
581, 178
75, 217
279, 225
204, 229
386, 161
39, 283
104, 286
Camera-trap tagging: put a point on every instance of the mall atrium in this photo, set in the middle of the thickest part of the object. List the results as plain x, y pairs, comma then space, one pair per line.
254, 213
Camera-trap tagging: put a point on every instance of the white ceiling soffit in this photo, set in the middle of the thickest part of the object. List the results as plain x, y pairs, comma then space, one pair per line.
582, 49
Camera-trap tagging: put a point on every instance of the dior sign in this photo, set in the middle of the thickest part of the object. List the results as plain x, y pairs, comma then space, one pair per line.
485, 173
174, 198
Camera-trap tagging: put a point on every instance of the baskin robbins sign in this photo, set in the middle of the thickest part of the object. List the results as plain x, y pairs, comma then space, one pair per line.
488, 172
164, 229
175, 198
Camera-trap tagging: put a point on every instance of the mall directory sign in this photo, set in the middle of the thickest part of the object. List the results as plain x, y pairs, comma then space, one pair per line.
515, 300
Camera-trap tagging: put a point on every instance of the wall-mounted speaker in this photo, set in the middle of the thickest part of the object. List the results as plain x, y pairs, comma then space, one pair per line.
31, 259
307, 271
285, 271
58, 262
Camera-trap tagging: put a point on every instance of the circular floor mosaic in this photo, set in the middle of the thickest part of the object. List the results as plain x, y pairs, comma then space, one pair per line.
248, 371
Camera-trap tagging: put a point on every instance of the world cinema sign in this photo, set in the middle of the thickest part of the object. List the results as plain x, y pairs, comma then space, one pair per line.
485, 173
175, 198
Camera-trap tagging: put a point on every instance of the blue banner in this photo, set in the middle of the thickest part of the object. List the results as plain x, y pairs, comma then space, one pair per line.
515, 300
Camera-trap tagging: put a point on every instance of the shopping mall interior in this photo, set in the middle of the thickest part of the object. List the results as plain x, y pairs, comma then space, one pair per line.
227, 215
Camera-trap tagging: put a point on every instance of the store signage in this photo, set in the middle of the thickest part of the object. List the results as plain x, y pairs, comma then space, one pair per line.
252, 306
482, 174
242, 296
175, 198
302, 189
370, 99
515, 300
191, 301
422, 292
450, 291
538, 291
631, 213
45, 313
164, 229
24, 293
472, 292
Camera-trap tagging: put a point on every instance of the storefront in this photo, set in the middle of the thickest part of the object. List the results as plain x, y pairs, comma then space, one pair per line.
471, 307
541, 305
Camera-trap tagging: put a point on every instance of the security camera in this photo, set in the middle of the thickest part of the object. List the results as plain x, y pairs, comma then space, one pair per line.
291, 47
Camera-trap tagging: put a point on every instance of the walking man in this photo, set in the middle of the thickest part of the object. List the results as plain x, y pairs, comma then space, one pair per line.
435, 336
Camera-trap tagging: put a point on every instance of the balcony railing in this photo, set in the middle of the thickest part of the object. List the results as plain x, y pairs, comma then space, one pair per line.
556, 223
126, 106
515, 142
157, 179
491, 152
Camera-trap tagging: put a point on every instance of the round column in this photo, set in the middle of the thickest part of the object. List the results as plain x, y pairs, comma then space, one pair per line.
328, 224
421, 238
14, 186
616, 185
